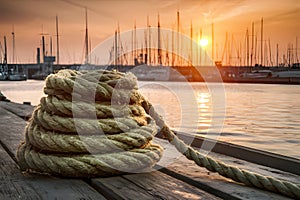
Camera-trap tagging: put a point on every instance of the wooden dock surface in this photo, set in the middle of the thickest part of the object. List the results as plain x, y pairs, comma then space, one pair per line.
178, 179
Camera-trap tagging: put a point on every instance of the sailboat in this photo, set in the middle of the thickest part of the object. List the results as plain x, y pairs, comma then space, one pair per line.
3, 67
16, 75
12, 72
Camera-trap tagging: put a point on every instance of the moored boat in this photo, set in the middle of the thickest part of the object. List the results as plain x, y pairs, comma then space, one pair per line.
17, 76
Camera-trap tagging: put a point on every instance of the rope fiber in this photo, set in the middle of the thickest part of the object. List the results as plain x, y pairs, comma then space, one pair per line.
96, 124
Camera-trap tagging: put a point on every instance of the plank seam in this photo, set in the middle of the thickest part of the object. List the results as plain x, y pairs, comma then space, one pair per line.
155, 195
11, 154
103, 190
197, 184
22, 116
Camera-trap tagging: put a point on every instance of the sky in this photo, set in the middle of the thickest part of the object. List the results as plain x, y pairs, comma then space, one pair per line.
31, 18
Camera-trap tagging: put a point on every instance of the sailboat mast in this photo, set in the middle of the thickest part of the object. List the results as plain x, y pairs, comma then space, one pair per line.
178, 25
191, 44
172, 48
116, 47
277, 55
159, 44
120, 47
145, 58
255, 49
200, 53
297, 61
132, 52
270, 51
212, 42
167, 60
261, 45
86, 39
197, 50
247, 46
57, 42
149, 42
50, 46
5, 51
135, 42
43, 46
252, 44
13, 43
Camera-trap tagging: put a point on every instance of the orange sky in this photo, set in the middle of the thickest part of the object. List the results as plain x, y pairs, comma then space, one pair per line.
281, 21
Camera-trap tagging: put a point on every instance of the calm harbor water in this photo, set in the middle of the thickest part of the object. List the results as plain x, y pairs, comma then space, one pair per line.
265, 117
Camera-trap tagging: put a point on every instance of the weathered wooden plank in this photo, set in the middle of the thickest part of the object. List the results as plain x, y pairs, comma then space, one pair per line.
116, 188
186, 170
166, 187
22, 110
14, 185
154, 185
11, 130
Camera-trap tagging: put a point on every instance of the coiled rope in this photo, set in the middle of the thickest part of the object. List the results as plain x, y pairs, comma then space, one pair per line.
110, 136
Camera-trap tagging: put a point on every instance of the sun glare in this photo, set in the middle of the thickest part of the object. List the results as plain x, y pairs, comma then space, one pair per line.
203, 42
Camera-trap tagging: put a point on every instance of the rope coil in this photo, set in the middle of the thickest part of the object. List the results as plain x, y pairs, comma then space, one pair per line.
70, 136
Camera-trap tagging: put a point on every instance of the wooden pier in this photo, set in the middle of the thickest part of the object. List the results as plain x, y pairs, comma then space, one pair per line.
180, 179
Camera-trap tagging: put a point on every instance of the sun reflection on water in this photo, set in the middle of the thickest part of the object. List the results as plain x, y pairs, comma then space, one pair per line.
204, 110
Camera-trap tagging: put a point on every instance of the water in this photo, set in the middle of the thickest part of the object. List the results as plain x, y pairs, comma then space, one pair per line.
260, 116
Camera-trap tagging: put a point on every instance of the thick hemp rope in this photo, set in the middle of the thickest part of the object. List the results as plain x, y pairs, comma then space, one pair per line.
68, 135
52, 145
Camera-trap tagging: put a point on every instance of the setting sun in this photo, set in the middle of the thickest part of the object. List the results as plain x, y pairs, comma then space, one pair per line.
203, 42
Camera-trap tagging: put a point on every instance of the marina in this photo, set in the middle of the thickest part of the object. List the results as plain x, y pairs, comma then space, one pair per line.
151, 55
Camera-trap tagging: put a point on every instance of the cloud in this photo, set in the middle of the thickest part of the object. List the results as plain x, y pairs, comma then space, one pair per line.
11, 13
97, 7
284, 16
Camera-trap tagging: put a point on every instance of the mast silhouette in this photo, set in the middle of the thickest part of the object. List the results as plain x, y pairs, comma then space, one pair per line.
86, 39
261, 45
252, 44
159, 43
116, 47
178, 25
212, 42
172, 47
191, 44
149, 42
43, 46
277, 55
13, 43
135, 45
5, 52
270, 52
50, 46
297, 60
200, 53
247, 46
57, 42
